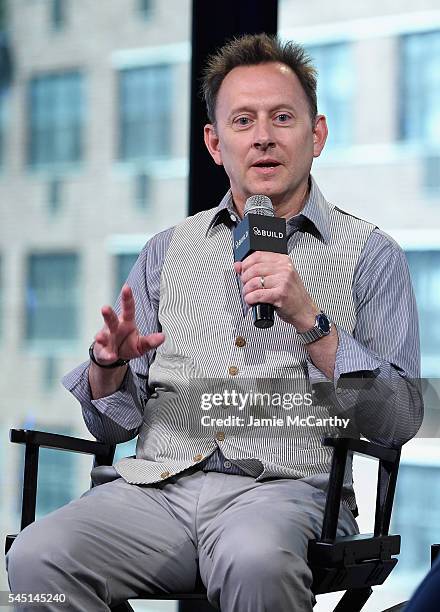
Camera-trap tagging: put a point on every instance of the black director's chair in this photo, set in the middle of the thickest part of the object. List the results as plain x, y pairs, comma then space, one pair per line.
352, 564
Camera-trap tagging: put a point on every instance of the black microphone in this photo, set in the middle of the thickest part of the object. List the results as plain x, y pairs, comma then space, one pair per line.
260, 230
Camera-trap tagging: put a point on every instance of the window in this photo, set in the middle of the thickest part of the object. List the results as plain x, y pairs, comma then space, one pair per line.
51, 375
145, 113
124, 263
54, 194
145, 8
56, 472
335, 89
58, 14
142, 190
55, 116
1, 297
416, 481
3, 14
3, 122
420, 87
56, 476
425, 273
52, 297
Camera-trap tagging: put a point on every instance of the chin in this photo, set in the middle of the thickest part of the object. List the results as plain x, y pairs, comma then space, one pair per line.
265, 188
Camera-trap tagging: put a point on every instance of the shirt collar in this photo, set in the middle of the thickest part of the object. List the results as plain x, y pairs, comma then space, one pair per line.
316, 210
224, 213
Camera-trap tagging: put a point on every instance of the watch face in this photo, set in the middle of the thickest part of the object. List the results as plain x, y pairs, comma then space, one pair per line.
323, 323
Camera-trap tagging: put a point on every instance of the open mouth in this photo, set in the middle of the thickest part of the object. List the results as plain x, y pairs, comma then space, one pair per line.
269, 164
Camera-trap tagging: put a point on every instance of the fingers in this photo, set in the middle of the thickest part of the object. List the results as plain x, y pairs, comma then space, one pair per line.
265, 277
264, 264
261, 296
127, 304
264, 257
110, 319
238, 267
103, 348
256, 272
152, 341
104, 355
260, 283
119, 337
102, 338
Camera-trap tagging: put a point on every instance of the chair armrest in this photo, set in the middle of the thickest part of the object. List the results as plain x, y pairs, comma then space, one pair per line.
59, 441
387, 477
363, 447
33, 440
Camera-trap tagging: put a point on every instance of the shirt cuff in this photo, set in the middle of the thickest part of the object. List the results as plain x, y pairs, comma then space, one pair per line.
351, 357
124, 407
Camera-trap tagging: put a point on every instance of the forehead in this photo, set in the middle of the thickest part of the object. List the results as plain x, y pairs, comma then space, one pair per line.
271, 83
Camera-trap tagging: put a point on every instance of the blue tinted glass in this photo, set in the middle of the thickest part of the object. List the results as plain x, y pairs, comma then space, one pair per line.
335, 89
55, 118
420, 87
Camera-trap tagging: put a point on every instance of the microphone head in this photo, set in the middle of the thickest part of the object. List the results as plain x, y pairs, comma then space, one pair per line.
259, 205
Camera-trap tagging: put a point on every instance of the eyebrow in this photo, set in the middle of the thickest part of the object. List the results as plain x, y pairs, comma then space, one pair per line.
248, 108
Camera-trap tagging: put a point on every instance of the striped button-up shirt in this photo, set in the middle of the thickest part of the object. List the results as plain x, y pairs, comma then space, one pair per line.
383, 348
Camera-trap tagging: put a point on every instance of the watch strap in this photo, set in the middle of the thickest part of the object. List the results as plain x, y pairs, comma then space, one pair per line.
116, 364
316, 332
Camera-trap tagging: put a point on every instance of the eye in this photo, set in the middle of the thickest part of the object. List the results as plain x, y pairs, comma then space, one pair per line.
283, 117
242, 121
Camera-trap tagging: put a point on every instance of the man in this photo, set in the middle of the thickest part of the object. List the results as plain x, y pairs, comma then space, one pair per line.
239, 503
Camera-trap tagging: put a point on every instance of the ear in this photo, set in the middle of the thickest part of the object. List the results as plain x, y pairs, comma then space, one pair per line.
320, 133
212, 143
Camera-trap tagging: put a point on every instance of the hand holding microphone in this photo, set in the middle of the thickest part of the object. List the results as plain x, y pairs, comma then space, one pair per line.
259, 230
269, 279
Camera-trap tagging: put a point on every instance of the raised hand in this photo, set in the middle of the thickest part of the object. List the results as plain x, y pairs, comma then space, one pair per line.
120, 338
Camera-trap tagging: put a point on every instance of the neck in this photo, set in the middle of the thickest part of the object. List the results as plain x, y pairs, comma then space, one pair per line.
282, 207
293, 206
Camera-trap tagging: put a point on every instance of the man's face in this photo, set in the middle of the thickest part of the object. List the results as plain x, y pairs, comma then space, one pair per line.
264, 136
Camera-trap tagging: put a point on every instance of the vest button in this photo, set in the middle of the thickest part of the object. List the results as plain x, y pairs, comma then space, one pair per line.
233, 370
220, 436
240, 341
165, 474
198, 457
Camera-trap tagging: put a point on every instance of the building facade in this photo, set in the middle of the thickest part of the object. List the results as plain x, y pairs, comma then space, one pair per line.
94, 121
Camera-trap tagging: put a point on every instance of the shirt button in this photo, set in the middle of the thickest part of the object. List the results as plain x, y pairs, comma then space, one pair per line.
233, 370
240, 341
227, 464
198, 457
338, 391
165, 474
233, 217
220, 436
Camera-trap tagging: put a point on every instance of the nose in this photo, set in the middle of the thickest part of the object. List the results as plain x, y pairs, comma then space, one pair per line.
263, 135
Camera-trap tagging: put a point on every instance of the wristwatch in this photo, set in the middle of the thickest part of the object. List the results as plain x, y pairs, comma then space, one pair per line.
321, 328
